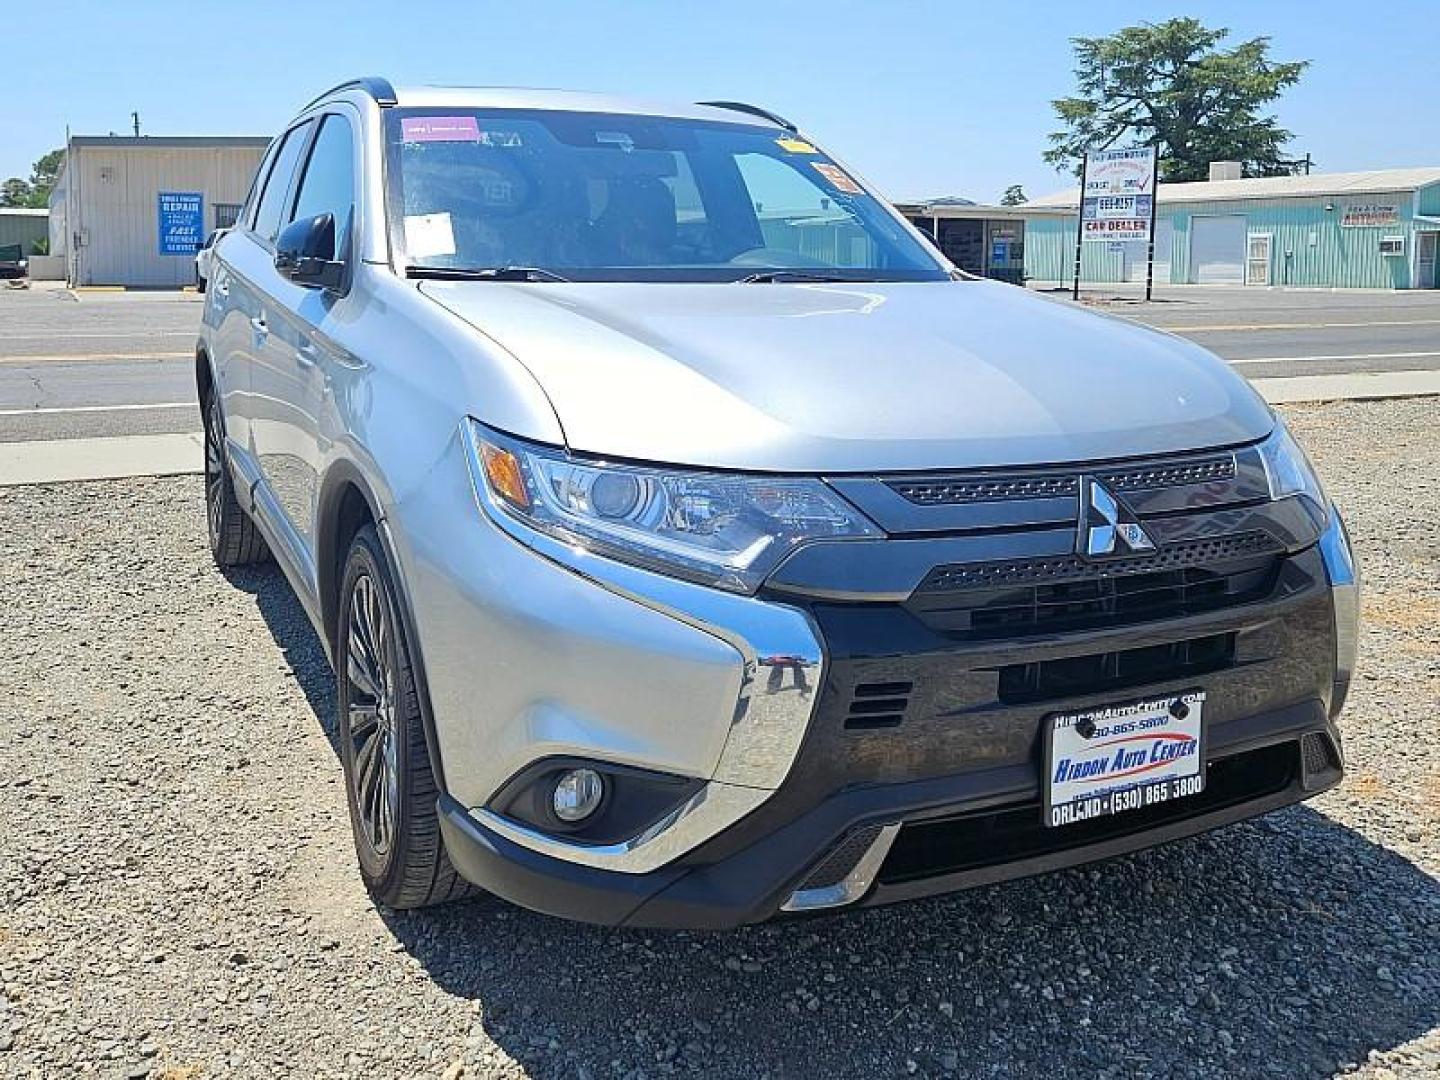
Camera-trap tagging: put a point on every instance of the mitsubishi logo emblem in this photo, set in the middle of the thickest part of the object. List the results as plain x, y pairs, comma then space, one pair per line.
1108, 526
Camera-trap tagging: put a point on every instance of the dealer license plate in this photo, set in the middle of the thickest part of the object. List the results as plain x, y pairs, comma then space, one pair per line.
1123, 757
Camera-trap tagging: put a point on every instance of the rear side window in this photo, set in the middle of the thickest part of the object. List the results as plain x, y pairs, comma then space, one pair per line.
328, 186
277, 185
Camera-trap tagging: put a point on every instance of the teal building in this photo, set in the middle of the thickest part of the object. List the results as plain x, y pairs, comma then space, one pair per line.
1362, 230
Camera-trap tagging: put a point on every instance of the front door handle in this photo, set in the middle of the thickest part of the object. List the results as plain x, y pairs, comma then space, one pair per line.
306, 355
258, 325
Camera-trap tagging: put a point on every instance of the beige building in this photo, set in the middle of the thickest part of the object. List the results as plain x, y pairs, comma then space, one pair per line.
132, 211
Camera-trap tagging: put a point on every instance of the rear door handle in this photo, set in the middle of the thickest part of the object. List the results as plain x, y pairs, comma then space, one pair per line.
258, 325
222, 286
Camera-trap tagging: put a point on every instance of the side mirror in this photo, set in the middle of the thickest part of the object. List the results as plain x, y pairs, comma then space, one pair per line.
305, 253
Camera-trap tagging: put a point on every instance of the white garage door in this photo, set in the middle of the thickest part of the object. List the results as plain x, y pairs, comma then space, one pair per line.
1217, 250
1136, 253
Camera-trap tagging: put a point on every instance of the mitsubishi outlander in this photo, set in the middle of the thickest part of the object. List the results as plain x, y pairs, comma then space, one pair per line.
694, 544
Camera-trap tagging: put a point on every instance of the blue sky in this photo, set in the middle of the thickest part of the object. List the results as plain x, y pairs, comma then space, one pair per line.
924, 98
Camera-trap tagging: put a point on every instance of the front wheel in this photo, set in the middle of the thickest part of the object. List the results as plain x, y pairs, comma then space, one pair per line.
234, 538
388, 780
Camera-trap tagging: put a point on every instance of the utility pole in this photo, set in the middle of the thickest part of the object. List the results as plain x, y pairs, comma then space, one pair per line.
135, 123
1307, 163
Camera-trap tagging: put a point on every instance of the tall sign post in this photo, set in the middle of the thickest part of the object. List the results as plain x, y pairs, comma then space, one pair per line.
1080, 225
1117, 203
1154, 203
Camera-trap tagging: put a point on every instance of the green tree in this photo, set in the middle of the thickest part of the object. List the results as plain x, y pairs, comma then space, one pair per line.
1173, 86
1014, 196
43, 175
14, 192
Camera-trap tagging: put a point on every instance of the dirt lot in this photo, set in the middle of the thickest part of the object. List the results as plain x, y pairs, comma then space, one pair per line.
177, 896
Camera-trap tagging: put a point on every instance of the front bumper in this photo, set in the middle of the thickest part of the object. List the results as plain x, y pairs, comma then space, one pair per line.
753, 883
962, 781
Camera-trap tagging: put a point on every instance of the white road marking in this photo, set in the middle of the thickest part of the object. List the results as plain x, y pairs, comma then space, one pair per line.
1337, 356
1293, 326
57, 410
91, 358
61, 335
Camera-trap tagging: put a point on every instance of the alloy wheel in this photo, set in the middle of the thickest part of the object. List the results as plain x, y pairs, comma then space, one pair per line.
374, 742
214, 469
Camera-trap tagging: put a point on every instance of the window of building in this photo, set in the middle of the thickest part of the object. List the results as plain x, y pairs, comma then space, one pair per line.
328, 186
277, 185
226, 214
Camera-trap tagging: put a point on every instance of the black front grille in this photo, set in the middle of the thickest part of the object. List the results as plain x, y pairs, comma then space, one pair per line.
1070, 676
1073, 567
1034, 596
956, 491
1147, 477
993, 838
940, 491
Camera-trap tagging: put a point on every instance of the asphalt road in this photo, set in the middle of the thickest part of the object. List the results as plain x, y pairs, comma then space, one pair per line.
119, 363
103, 364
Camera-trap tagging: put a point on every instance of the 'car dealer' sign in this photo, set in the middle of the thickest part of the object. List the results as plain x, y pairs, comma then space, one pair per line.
1118, 200
182, 222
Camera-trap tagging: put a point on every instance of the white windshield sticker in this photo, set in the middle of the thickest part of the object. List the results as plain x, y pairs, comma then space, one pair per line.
428, 235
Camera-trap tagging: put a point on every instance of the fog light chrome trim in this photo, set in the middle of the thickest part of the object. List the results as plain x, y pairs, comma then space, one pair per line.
710, 810
853, 885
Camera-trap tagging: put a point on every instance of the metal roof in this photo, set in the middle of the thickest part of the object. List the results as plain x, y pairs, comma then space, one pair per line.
980, 211
1315, 185
170, 141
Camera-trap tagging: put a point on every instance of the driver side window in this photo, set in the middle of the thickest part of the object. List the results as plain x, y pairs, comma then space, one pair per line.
328, 186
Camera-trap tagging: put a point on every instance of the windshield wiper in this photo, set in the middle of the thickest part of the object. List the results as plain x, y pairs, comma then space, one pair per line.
766, 277
484, 273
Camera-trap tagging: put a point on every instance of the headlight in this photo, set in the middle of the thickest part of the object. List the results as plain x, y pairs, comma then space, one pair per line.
1288, 470
726, 530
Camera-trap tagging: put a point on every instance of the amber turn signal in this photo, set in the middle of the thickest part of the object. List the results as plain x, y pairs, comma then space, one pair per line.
502, 470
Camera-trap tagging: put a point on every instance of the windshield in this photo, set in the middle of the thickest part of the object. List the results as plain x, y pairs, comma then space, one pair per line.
604, 197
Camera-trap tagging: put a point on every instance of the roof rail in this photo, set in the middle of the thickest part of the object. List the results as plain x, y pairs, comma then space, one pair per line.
378, 88
753, 110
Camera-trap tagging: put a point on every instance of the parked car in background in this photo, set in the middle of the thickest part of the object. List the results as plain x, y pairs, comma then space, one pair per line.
202, 259
693, 544
13, 263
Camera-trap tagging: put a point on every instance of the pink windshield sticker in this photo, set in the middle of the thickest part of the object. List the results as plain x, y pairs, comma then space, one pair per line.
439, 129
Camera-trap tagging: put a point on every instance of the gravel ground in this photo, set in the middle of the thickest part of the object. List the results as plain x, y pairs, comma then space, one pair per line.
177, 894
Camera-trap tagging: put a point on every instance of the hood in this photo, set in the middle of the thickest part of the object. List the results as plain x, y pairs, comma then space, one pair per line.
865, 377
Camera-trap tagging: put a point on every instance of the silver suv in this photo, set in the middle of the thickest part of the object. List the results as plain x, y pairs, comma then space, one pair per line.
693, 543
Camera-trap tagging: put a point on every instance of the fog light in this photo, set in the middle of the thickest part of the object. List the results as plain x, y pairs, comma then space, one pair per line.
577, 794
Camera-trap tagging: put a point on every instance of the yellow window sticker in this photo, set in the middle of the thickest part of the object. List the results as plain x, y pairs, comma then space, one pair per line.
837, 176
796, 146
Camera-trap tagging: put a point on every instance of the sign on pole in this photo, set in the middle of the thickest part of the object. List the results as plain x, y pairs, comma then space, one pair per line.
1119, 194
182, 222
1117, 202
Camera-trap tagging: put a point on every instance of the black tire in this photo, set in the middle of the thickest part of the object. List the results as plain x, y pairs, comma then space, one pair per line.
234, 538
389, 785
